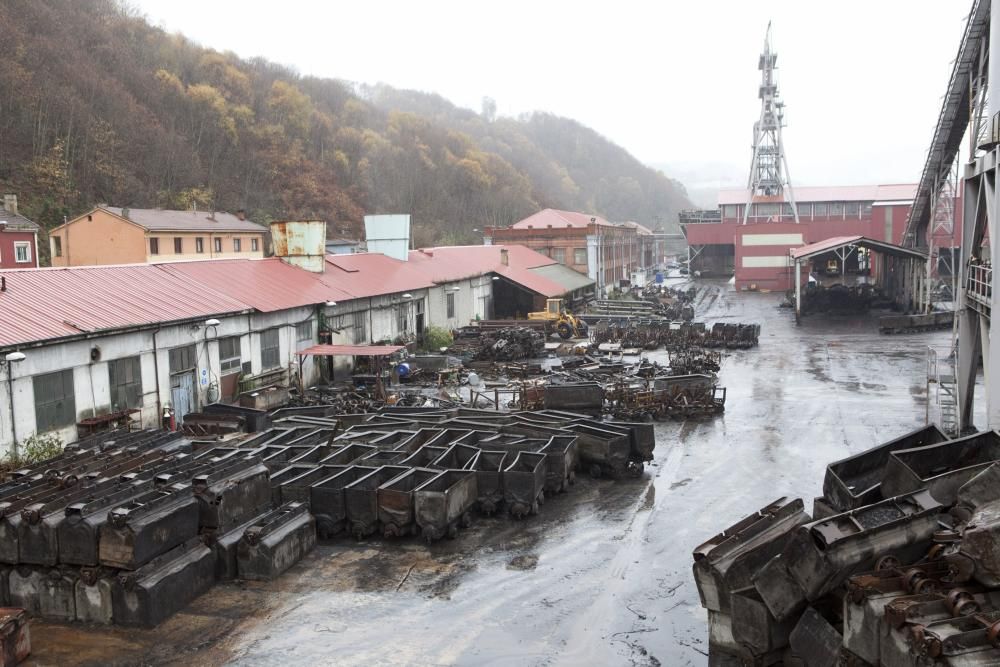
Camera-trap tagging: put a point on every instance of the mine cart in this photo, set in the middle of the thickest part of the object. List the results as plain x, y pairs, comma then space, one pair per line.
561, 458
289, 472
396, 500
382, 457
524, 484
299, 487
455, 457
347, 455
326, 499
444, 502
489, 467
585, 397
642, 437
275, 542
423, 456
940, 468
603, 451
361, 499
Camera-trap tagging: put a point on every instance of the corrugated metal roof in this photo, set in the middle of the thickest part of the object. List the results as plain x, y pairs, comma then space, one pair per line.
266, 284
557, 218
563, 275
372, 274
827, 245
352, 350
899, 191
42, 304
157, 220
451, 263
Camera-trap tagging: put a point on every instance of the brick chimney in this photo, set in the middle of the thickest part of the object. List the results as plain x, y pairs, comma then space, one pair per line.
241, 214
10, 203
504, 257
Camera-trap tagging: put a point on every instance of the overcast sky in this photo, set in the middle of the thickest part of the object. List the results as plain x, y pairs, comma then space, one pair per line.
673, 82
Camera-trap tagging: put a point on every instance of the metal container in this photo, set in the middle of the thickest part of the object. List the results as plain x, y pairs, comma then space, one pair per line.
148, 526
275, 542
584, 397
396, 502
940, 468
443, 503
326, 499
489, 466
524, 484
361, 499
561, 458
228, 495
456, 457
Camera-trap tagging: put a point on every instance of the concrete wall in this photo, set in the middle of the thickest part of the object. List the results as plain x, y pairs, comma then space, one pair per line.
103, 238
471, 300
92, 381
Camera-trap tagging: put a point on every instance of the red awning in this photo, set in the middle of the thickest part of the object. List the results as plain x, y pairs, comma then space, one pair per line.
352, 350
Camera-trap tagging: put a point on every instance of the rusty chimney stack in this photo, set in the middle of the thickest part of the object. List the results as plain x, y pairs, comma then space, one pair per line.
241, 214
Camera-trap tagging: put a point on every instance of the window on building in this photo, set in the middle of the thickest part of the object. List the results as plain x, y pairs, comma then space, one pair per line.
154, 246
270, 353
199, 244
866, 209
852, 209
821, 210
450, 300
304, 330
255, 244
559, 254
183, 359
22, 252
55, 401
730, 211
805, 210
401, 312
125, 378
229, 355
358, 326
767, 210
218, 245
178, 245
57, 246
237, 243
837, 209
580, 256
786, 211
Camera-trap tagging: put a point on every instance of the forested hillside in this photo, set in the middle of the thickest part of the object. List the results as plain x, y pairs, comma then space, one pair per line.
97, 106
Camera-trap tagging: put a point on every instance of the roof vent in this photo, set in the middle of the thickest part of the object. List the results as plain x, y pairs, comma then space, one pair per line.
125, 212
241, 214
504, 257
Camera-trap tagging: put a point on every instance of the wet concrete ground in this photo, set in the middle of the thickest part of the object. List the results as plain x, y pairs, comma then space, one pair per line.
603, 575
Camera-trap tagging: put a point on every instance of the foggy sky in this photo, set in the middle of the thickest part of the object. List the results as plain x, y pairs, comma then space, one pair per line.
675, 83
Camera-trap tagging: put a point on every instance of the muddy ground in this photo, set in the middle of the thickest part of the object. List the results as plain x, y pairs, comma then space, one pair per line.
603, 574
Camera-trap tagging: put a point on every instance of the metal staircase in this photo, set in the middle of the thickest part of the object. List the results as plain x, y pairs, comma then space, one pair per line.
942, 376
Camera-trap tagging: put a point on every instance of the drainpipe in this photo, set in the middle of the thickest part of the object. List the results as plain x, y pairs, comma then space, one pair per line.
156, 375
10, 397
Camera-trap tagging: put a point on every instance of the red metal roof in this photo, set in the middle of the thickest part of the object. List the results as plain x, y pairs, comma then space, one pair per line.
891, 192
352, 350
452, 263
41, 304
266, 284
557, 218
372, 274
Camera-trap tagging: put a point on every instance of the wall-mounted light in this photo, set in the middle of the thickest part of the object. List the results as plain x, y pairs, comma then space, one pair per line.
495, 278
212, 322
331, 304
407, 296
14, 357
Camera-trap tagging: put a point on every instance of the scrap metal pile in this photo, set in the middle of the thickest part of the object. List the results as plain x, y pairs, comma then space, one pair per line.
128, 528
899, 563
504, 344
653, 334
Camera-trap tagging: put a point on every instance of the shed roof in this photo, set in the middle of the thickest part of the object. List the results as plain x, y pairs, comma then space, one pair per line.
836, 242
352, 350
569, 279
557, 218
42, 304
16, 221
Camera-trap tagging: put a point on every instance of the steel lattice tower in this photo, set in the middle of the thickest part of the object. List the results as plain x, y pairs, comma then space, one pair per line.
769, 168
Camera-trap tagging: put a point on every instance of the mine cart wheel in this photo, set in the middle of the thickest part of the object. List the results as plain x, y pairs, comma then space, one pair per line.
564, 330
886, 563
595, 471
453, 531
564, 487
541, 497
325, 527
635, 469
429, 536
534, 508
572, 477
466, 520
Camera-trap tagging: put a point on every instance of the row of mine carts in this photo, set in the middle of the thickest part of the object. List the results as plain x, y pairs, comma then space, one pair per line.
733, 336
429, 472
648, 334
667, 397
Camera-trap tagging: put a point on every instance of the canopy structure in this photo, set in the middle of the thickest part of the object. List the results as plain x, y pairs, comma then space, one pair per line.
906, 275
351, 350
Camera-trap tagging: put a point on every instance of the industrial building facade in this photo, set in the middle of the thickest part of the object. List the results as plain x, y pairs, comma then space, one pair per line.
757, 253
149, 338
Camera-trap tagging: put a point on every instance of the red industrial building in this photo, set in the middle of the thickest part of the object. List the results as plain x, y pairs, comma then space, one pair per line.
757, 253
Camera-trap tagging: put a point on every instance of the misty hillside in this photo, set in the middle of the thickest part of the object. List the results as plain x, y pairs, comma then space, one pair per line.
97, 106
